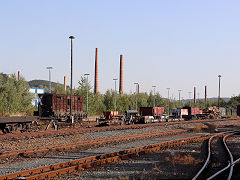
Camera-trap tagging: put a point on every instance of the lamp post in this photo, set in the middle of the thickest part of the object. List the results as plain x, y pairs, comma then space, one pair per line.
49, 74
219, 76
71, 38
179, 97
115, 94
136, 95
168, 101
154, 94
190, 95
87, 91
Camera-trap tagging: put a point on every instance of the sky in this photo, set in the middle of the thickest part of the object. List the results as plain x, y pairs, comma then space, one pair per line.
176, 44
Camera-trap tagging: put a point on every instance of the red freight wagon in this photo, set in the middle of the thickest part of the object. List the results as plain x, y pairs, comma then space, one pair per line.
58, 106
193, 111
151, 111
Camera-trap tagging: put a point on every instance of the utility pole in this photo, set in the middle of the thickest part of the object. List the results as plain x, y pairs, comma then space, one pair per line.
49, 74
219, 76
179, 97
115, 94
168, 101
87, 91
136, 94
71, 38
190, 95
154, 94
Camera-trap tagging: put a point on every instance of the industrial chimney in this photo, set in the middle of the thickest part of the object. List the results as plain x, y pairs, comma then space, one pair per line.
18, 75
96, 72
121, 75
195, 95
65, 85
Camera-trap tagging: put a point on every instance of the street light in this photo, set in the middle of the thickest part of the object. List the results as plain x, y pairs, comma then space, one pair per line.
136, 94
115, 93
219, 76
87, 90
154, 94
190, 95
71, 38
168, 101
50, 83
179, 97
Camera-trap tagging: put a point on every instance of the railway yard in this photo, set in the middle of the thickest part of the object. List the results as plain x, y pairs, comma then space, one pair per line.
174, 150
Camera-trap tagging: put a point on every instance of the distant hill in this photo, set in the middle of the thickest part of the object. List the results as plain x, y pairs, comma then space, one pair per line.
43, 84
226, 99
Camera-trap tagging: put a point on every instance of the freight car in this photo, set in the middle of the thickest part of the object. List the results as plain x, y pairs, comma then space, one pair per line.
22, 123
51, 107
57, 107
151, 114
193, 112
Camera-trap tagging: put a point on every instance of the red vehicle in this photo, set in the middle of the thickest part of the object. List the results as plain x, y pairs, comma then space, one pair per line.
192, 112
57, 106
151, 111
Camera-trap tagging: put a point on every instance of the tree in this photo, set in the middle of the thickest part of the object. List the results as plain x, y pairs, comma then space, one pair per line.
15, 96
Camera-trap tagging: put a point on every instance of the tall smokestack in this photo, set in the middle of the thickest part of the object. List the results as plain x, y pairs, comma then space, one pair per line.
18, 75
205, 95
96, 72
195, 95
65, 85
121, 75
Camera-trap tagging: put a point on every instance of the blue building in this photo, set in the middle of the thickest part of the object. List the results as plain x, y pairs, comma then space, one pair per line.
35, 92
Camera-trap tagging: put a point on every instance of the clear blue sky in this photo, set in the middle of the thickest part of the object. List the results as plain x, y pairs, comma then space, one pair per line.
168, 43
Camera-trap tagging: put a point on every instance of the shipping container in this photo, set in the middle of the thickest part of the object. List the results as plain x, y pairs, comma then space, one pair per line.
151, 111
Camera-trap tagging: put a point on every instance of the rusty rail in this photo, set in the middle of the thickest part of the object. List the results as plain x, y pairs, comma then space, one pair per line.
230, 164
35, 151
95, 129
84, 163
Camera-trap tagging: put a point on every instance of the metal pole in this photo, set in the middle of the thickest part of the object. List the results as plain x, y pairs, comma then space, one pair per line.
190, 95
179, 97
115, 95
154, 94
219, 76
87, 91
71, 37
168, 101
136, 94
49, 76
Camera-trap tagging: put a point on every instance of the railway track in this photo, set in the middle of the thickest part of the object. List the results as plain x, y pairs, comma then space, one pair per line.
219, 163
85, 144
73, 130
56, 170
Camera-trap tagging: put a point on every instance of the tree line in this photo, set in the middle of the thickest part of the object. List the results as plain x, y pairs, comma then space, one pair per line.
98, 103
16, 99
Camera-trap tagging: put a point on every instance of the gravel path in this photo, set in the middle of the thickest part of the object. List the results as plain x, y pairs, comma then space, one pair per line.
25, 165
